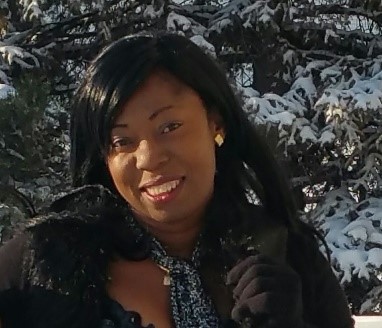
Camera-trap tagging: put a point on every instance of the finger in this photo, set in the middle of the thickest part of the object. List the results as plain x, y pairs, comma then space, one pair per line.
238, 270
274, 304
241, 313
256, 286
261, 304
274, 285
256, 271
256, 307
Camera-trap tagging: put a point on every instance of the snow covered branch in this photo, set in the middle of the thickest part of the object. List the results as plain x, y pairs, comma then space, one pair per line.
336, 9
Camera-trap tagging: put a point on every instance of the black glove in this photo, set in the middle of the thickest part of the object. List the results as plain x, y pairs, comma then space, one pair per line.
266, 294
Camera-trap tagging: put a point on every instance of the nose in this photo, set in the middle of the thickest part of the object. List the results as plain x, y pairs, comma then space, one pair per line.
150, 155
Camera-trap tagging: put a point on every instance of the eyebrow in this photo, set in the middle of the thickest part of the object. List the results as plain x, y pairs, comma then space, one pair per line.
159, 111
151, 117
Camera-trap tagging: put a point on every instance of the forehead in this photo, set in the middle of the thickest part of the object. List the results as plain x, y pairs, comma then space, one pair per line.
160, 89
162, 79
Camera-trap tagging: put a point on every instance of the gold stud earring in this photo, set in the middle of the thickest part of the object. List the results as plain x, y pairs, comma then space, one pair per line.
219, 139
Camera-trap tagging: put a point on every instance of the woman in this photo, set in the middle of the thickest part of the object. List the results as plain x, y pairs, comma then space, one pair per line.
178, 242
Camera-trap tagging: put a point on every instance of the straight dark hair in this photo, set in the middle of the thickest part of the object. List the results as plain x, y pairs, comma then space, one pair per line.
244, 163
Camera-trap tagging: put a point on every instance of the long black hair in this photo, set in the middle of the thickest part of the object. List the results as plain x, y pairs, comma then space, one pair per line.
244, 162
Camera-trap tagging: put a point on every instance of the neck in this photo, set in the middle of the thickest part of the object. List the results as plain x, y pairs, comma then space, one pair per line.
179, 240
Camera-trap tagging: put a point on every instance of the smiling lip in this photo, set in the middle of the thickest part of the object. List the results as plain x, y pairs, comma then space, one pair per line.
163, 189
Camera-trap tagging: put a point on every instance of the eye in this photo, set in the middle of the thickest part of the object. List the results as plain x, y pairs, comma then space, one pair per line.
168, 127
121, 142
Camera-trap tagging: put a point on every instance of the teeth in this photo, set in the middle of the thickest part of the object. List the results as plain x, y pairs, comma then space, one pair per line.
166, 187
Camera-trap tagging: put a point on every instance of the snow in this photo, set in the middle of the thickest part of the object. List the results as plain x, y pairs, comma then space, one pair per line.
351, 235
249, 92
260, 6
375, 68
327, 137
352, 262
204, 44
306, 84
220, 25
330, 33
151, 13
364, 223
375, 257
328, 99
257, 12
32, 11
174, 21
182, 24
365, 101
10, 52
334, 236
358, 233
330, 73
289, 57
6, 91
307, 134
314, 65
376, 238
13, 54
284, 118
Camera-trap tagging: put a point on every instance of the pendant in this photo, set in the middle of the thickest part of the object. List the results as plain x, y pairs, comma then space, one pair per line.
166, 279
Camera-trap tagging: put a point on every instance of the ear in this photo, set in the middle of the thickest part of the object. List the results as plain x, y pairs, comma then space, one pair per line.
216, 124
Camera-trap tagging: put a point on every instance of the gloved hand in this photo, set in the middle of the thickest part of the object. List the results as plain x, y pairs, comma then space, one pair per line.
266, 294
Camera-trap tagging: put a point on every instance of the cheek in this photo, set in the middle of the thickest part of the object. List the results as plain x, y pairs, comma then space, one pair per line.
203, 177
121, 171
202, 161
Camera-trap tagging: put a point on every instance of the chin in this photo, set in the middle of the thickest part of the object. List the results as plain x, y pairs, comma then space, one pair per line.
154, 216
165, 218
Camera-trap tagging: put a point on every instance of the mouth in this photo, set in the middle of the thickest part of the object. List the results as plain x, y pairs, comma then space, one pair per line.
165, 192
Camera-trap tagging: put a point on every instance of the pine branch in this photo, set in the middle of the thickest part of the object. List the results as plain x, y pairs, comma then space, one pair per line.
335, 9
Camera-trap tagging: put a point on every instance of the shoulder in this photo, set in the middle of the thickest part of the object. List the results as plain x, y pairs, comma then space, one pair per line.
58, 266
81, 231
63, 256
51, 252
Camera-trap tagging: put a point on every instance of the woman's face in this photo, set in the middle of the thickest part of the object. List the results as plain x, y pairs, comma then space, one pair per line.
162, 154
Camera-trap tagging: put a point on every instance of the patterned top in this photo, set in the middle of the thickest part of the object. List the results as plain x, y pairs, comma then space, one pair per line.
190, 305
